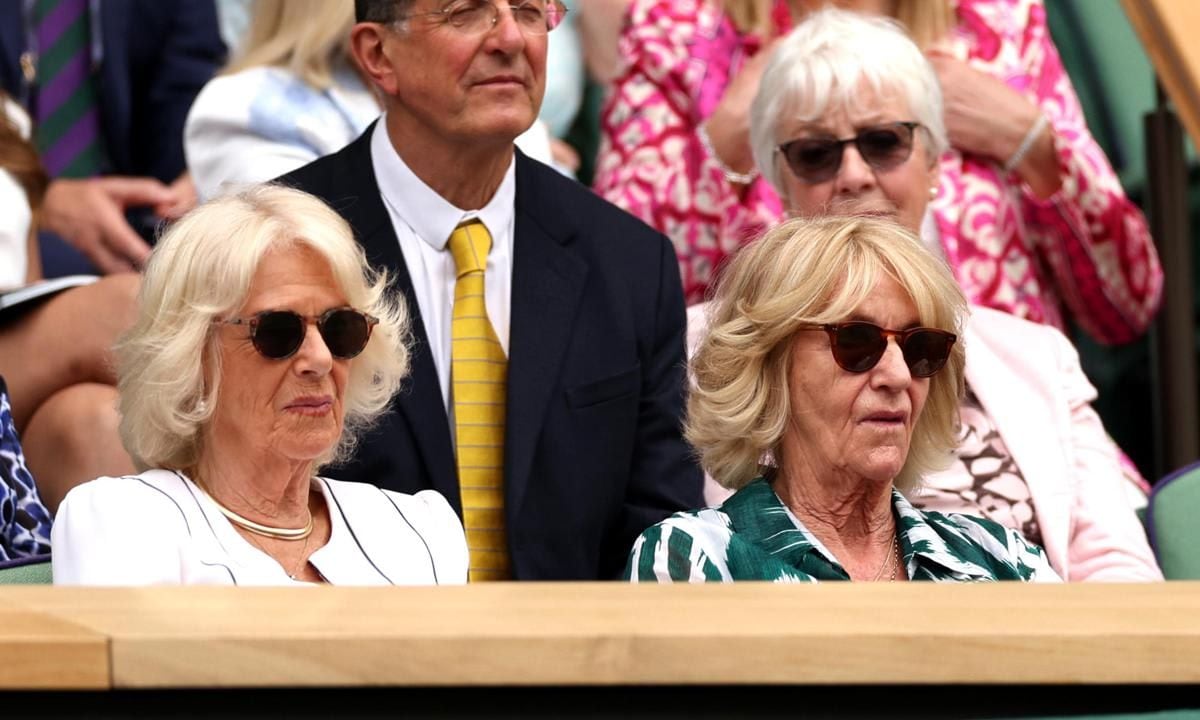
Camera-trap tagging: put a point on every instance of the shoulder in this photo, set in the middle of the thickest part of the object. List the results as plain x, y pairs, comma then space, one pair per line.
983, 543
119, 510
159, 487
563, 205
1006, 333
423, 511
686, 547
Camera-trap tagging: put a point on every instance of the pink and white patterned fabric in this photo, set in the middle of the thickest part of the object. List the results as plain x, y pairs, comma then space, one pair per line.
1085, 251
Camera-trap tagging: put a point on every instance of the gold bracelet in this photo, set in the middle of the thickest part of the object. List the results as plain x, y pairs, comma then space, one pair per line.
730, 174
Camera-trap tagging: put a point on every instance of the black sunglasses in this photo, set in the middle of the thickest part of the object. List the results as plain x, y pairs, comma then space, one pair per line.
278, 334
817, 159
858, 346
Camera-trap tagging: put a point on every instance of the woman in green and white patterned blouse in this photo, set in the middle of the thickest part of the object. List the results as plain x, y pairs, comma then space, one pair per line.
829, 382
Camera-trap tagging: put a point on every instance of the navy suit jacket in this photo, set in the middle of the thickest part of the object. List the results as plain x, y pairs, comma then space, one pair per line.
596, 379
155, 57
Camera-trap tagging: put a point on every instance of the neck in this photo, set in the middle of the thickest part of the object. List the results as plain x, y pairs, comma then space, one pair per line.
850, 515
466, 174
270, 493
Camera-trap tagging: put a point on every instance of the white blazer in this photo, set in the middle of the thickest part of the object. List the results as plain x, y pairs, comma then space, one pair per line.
1028, 378
158, 528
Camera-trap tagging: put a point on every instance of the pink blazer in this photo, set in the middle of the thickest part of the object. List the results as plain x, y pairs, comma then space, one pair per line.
1028, 378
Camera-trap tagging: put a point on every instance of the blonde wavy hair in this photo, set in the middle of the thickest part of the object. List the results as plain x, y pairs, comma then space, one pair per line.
304, 36
806, 272
169, 363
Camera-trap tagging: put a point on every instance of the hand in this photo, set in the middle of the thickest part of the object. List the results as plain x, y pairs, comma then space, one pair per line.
983, 115
184, 198
729, 125
90, 214
986, 117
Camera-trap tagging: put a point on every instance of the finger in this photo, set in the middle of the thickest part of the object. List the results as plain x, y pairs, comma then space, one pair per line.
136, 191
103, 258
121, 240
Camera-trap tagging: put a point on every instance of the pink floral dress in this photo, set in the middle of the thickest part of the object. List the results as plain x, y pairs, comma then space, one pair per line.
1085, 251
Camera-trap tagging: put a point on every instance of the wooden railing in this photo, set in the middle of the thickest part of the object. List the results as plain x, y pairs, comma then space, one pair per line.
599, 634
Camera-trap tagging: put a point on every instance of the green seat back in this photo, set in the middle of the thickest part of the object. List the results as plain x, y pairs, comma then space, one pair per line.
34, 573
1172, 520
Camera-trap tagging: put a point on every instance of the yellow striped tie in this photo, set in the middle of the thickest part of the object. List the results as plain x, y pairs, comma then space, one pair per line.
478, 377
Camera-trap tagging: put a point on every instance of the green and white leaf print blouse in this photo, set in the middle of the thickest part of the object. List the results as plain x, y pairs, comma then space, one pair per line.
753, 536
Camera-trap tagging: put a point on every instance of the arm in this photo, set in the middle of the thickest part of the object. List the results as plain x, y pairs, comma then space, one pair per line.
241, 129
190, 54
1107, 542
651, 161
1094, 240
25, 530
664, 477
117, 531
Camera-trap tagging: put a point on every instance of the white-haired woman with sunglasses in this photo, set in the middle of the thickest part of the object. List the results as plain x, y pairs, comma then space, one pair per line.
1032, 217
833, 352
264, 344
861, 138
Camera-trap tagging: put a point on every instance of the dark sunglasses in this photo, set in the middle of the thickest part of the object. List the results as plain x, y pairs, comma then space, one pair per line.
278, 334
858, 346
818, 158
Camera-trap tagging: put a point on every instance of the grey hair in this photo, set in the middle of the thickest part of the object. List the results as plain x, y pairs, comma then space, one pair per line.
169, 363
823, 63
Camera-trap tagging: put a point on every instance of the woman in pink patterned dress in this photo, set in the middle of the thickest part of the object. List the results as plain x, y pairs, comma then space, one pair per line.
1028, 212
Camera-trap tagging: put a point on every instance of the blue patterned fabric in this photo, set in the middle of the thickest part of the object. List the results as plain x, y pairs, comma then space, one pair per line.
24, 520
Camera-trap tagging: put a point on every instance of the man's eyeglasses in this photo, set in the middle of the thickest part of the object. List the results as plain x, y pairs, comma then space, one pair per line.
475, 17
278, 334
858, 346
817, 159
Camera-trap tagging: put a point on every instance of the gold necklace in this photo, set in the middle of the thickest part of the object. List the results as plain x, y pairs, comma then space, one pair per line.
889, 560
279, 533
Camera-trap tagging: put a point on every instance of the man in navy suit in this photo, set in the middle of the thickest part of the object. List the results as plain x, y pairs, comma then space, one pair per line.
584, 299
148, 60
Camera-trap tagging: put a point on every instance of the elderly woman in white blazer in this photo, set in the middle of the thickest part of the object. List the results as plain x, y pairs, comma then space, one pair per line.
1033, 454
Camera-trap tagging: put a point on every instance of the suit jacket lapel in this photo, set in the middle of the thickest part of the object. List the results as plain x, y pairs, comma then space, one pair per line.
420, 397
548, 280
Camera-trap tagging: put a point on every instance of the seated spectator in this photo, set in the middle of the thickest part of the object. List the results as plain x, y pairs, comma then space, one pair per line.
108, 85
25, 522
1029, 215
264, 344
833, 353
292, 94
55, 344
847, 120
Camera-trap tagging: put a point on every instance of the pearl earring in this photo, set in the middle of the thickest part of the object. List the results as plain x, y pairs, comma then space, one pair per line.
933, 192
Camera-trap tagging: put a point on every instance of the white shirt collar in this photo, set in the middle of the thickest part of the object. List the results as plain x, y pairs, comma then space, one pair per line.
431, 216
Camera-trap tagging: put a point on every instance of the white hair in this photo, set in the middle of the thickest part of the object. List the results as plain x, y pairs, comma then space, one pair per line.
201, 270
824, 62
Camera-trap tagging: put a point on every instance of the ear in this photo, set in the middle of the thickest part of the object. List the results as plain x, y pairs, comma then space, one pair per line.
368, 44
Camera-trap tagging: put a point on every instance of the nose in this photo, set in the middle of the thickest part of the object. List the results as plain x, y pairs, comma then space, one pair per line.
891, 372
506, 34
313, 359
854, 176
